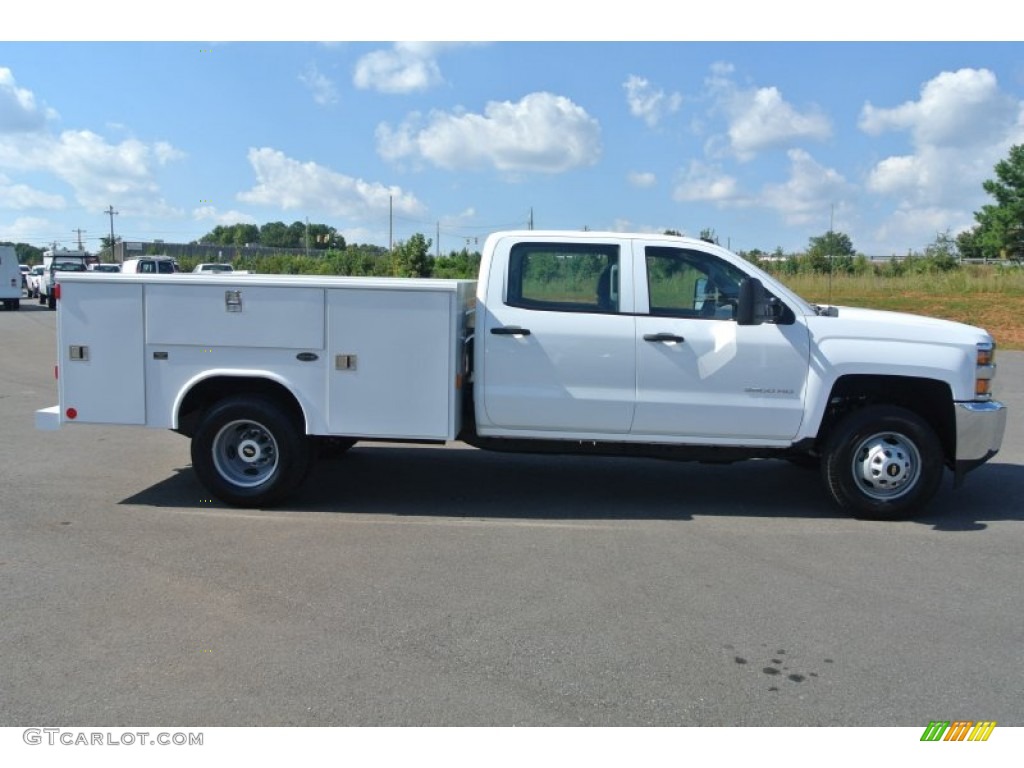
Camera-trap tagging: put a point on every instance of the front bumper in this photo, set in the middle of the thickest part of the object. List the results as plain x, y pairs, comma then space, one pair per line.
979, 435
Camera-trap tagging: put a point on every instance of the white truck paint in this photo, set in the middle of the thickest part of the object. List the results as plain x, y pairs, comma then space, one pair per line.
10, 278
581, 342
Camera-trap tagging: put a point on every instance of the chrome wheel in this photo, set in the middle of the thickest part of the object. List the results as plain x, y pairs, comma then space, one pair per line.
245, 453
886, 466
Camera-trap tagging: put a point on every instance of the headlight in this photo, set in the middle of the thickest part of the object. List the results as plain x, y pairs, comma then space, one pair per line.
985, 371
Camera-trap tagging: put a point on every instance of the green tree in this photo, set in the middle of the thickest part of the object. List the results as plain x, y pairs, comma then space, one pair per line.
274, 234
942, 253
1000, 229
833, 250
412, 258
457, 264
245, 234
297, 235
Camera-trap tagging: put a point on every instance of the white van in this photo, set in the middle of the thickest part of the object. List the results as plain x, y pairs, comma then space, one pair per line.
10, 277
149, 265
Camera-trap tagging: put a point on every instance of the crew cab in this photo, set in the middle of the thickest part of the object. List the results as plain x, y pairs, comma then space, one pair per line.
569, 342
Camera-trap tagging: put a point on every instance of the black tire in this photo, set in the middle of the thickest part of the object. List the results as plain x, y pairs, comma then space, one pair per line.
249, 452
883, 462
51, 302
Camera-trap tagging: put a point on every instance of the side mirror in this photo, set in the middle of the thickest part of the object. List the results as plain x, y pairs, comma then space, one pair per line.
752, 302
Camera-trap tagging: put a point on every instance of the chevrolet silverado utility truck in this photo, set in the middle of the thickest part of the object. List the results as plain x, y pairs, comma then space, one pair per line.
569, 342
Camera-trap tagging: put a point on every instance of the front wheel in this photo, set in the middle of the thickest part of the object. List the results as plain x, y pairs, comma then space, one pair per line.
249, 452
883, 462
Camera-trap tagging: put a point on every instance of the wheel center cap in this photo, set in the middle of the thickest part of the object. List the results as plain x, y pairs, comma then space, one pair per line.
248, 451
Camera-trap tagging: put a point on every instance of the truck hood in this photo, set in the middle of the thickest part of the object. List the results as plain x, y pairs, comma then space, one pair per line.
894, 326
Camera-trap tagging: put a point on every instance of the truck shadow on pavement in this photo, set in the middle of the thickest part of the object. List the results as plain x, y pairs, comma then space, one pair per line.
427, 481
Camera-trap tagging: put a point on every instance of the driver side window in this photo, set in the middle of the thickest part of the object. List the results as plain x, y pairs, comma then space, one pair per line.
692, 284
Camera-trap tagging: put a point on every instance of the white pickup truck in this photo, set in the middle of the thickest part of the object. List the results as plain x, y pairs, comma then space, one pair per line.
569, 342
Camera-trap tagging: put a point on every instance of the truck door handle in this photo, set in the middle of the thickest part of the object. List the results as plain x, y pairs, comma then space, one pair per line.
663, 337
510, 330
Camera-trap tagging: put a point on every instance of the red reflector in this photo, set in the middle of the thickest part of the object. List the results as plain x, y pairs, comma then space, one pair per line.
55, 372
71, 413
56, 291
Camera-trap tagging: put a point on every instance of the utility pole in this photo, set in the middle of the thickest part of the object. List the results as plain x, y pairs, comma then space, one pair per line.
79, 232
437, 242
307, 237
531, 218
111, 213
391, 223
831, 239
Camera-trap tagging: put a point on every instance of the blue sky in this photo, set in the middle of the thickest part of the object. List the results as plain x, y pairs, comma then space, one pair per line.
762, 142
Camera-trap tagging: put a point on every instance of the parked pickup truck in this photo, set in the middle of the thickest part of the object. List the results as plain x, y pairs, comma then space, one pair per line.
55, 270
569, 342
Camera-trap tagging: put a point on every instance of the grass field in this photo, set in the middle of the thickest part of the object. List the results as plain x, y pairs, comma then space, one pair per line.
987, 297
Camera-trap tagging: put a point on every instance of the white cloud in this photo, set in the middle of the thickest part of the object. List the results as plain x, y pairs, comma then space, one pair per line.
323, 89
26, 229
648, 103
99, 172
627, 225
760, 118
23, 197
289, 184
701, 182
961, 125
226, 218
956, 109
405, 68
809, 194
642, 179
917, 227
541, 133
19, 111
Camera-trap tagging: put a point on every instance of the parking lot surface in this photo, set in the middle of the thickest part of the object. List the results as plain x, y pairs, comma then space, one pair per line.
449, 586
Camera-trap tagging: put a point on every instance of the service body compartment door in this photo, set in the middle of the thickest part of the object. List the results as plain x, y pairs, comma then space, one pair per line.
242, 328
242, 315
391, 371
100, 353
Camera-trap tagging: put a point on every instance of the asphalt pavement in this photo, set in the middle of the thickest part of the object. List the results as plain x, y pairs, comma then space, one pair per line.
410, 585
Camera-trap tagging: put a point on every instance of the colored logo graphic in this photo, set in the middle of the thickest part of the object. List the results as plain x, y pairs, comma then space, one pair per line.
958, 730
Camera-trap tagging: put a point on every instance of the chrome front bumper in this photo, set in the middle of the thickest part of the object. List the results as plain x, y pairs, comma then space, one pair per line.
979, 434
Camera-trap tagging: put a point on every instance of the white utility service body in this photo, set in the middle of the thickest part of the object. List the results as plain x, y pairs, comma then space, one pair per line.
374, 358
569, 342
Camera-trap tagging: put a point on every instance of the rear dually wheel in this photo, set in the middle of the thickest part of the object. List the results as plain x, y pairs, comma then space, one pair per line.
250, 452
